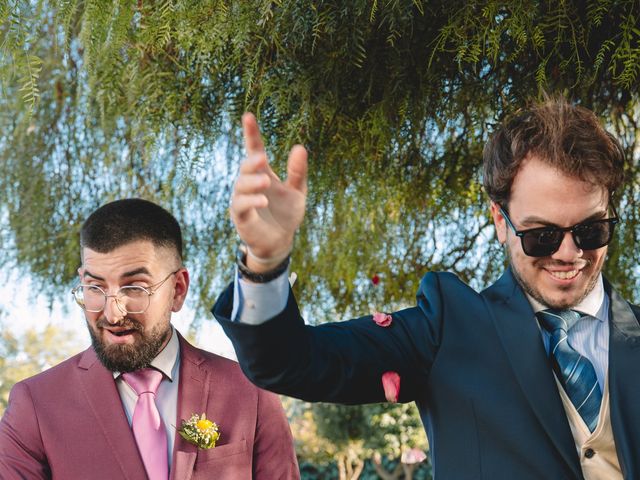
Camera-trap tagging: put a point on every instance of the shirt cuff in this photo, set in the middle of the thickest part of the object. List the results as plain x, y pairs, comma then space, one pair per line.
255, 303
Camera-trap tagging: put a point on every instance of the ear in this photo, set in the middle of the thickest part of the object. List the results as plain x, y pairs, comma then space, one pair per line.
80, 272
180, 290
499, 222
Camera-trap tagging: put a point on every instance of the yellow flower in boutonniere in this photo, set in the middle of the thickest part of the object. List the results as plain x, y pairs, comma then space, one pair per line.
200, 431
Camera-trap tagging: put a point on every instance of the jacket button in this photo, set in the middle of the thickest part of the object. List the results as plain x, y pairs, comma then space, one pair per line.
589, 453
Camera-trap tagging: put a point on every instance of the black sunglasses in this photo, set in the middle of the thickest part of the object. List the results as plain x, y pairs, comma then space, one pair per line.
544, 241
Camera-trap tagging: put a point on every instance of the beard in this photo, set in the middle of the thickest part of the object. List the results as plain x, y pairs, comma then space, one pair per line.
536, 294
128, 358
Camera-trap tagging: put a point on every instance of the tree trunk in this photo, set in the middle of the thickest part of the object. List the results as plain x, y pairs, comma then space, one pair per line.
341, 460
382, 472
350, 465
354, 465
409, 468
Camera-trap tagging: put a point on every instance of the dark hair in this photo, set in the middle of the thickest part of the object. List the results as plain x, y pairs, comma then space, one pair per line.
124, 221
567, 137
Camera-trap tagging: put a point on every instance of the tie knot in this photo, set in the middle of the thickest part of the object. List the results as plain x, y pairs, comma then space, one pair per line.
145, 380
552, 319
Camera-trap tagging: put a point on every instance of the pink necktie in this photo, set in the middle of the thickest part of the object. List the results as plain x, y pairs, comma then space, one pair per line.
148, 428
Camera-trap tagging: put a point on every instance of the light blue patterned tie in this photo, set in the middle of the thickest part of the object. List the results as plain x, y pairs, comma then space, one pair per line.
575, 372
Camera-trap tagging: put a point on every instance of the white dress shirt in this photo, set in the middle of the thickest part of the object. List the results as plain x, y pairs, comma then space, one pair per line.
271, 297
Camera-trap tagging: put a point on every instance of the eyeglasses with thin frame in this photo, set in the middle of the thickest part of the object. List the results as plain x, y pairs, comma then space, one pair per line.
545, 241
129, 299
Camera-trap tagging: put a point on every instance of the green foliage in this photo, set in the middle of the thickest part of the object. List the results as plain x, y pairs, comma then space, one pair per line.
352, 435
394, 101
311, 471
18, 62
29, 353
399, 427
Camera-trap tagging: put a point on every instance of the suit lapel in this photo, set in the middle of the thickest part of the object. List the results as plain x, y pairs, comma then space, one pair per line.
100, 390
193, 393
520, 336
624, 382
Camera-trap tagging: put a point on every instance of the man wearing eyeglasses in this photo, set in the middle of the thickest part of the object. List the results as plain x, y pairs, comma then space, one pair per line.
534, 377
114, 410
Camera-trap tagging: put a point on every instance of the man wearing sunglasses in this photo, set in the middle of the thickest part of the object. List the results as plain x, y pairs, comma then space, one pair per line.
535, 377
114, 410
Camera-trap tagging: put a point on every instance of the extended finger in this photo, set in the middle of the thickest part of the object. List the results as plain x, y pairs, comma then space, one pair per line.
255, 162
297, 168
252, 183
252, 138
243, 205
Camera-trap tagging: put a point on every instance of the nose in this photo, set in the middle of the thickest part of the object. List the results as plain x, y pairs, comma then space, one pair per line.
113, 310
568, 251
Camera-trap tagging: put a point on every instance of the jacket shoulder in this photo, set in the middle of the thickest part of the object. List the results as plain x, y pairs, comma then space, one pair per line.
51, 377
215, 360
443, 285
224, 368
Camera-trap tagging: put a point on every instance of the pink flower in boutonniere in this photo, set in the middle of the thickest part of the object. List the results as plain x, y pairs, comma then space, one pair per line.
200, 431
391, 385
382, 319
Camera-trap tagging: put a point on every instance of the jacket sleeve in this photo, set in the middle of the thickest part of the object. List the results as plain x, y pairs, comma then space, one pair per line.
274, 455
22, 453
339, 362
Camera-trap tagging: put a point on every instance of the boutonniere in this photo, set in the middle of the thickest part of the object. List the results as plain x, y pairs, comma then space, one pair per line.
200, 431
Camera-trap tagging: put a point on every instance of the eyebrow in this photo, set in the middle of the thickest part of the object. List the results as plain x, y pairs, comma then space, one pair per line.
130, 273
537, 220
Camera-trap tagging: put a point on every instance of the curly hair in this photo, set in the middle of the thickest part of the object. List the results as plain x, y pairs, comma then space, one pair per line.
567, 137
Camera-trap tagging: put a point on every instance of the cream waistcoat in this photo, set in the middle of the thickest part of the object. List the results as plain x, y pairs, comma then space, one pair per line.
597, 450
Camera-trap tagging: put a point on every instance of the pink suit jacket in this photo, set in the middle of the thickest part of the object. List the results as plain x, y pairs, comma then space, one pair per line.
68, 423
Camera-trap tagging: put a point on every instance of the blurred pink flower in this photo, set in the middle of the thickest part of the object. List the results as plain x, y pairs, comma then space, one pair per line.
391, 385
382, 319
375, 279
414, 455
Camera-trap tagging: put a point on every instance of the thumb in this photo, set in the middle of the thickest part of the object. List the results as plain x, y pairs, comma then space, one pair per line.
297, 169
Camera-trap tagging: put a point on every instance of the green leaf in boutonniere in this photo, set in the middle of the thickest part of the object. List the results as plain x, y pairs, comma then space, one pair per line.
200, 431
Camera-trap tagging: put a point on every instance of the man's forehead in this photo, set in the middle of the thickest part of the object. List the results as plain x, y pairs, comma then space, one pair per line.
140, 257
543, 186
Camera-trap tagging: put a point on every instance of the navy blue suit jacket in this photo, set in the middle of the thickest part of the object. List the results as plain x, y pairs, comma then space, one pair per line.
474, 363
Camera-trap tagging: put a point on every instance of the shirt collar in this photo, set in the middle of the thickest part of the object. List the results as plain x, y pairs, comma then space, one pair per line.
595, 304
166, 360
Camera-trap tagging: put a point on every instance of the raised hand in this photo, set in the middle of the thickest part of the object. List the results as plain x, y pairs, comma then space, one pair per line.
265, 210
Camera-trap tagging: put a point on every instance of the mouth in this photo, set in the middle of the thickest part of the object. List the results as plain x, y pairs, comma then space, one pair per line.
565, 274
120, 335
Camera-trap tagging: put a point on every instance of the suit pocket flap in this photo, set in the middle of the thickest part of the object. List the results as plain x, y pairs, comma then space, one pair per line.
221, 451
